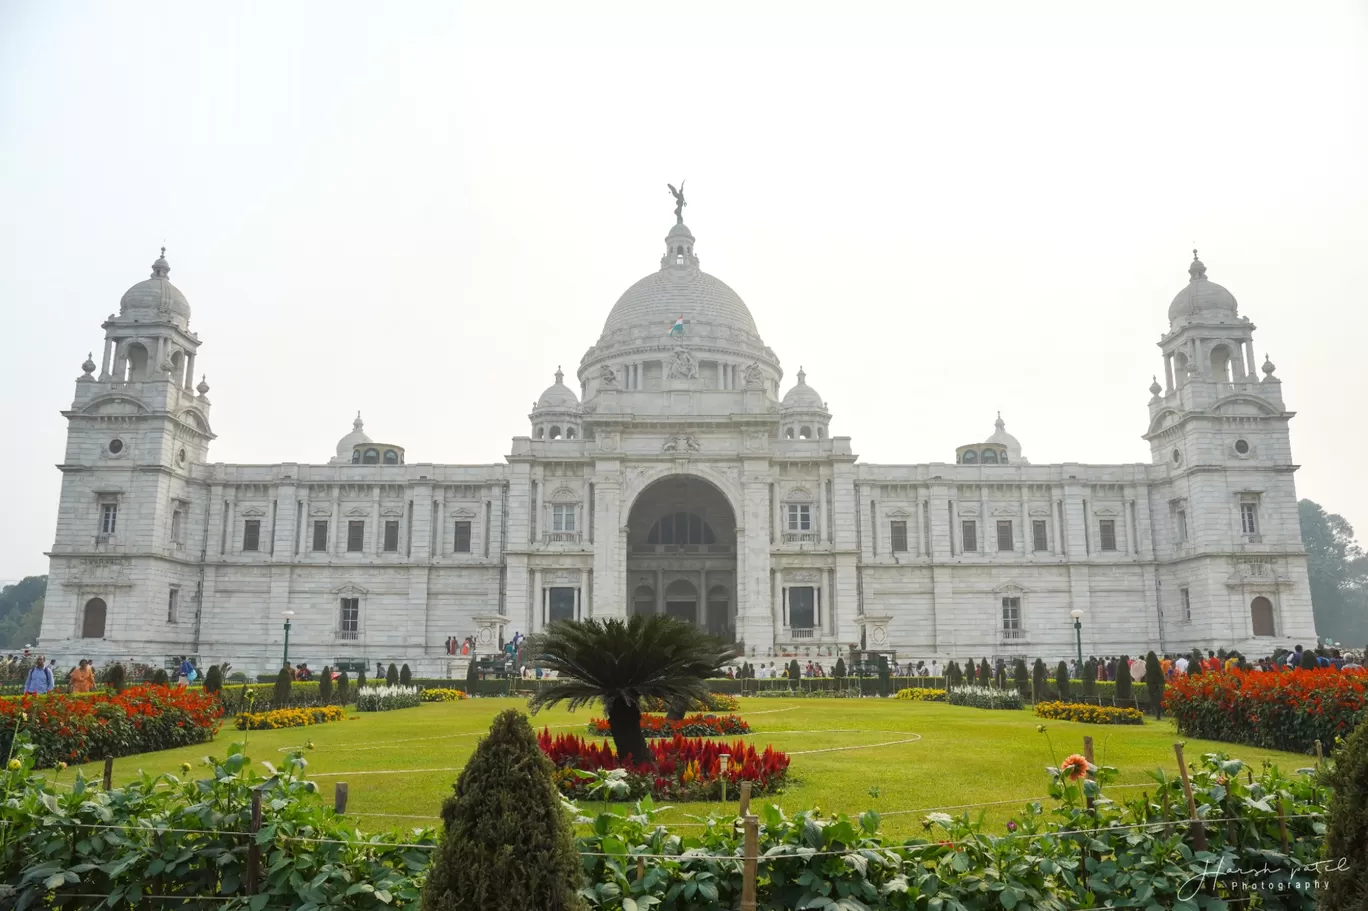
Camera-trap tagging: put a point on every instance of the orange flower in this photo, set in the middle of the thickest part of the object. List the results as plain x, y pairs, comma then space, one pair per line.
1074, 767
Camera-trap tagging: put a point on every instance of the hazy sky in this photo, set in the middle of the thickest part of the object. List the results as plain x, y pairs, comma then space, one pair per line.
938, 209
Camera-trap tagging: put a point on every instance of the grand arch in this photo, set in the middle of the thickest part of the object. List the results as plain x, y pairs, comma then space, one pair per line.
681, 554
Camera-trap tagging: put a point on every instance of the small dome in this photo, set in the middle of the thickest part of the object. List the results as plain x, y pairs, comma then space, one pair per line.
558, 396
348, 442
155, 297
1202, 298
1003, 438
803, 397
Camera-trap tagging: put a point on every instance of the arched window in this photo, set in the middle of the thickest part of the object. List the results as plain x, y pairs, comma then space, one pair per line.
178, 369
554, 433
1220, 364
371, 457
93, 619
356, 457
1180, 363
990, 457
540, 432
391, 457
970, 457
137, 362
681, 528
1261, 615
569, 433
681, 600
821, 432
719, 611
805, 433
788, 433
643, 601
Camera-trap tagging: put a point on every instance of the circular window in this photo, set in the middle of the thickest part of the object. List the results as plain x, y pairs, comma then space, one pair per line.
180, 457
1177, 457
116, 446
1242, 446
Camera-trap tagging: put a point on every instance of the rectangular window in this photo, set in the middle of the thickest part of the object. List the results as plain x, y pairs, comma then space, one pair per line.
462, 542
799, 517
1004, 530
1106, 528
350, 625
1187, 603
1040, 540
897, 535
176, 523
171, 603
1011, 615
392, 536
109, 518
1181, 518
802, 605
320, 537
563, 517
1249, 518
251, 534
356, 536
969, 536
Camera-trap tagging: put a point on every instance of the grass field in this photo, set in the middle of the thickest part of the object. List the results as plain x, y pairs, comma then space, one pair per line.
848, 755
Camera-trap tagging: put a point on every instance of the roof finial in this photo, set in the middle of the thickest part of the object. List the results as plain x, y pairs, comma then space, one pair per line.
802, 377
1197, 270
559, 375
160, 269
358, 424
999, 423
679, 201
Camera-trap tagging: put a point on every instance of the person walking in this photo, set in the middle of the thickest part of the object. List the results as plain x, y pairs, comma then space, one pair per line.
83, 677
186, 672
39, 679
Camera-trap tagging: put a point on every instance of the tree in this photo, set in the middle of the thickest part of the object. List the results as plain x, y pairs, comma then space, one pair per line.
160, 678
952, 675
985, 673
1062, 681
1346, 827
508, 844
325, 686
405, 676
21, 612
1338, 571
213, 679
392, 675
343, 689
1124, 682
1154, 683
794, 671
839, 671
1090, 679
885, 676
280, 695
1022, 678
360, 680
1039, 679
621, 662
472, 677
116, 677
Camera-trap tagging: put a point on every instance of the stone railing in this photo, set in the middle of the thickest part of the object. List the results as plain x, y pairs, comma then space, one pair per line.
800, 537
561, 537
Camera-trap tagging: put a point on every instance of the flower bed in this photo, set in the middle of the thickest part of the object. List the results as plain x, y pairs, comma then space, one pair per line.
441, 694
75, 729
387, 698
1277, 710
1088, 714
713, 702
288, 718
684, 769
984, 697
691, 726
921, 694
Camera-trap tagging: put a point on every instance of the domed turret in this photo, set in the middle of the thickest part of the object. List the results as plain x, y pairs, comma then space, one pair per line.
349, 442
999, 449
558, 395
556, 415
802, 396
805, 415
1202, 299
156, 299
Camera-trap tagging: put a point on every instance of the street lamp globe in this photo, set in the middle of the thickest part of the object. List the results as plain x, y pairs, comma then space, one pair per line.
287, 614
1075, 613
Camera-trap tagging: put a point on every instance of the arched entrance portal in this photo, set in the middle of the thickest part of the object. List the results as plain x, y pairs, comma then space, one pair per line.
681, 554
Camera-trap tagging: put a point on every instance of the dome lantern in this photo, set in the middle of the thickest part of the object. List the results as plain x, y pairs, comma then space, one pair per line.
155, 299
1202, 300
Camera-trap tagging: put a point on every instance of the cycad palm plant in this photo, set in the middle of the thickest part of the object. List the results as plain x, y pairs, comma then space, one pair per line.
621, 662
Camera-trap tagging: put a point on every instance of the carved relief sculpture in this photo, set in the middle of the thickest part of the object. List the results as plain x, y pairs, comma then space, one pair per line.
684, 365
607, 376
754, 378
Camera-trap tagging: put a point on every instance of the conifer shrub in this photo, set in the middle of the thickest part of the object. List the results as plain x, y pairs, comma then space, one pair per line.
1346, 830
213, 679
1123, 681
839, 671
280, 695
1022, 678
325, 686
360, 680
116, 677
1154, 683
392, 675
794, 671
985, 673
343, 689
1062, 681
1000, 677
507, 845
1090, 679
160, 678
472, 676
1039, 680
405, 676
885, 677
952, 674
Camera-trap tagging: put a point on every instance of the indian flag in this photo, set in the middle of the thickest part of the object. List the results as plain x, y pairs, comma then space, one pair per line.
678, 328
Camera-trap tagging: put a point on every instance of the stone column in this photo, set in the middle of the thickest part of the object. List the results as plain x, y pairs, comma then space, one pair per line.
956, 538
1168, 374
823, 602
304, 539
583, 589
439, 526
538, 601
377, 533
1057, 520
336, 544
1027, 545
777, 586
190, 371
660, 591
104, 364
702, 606
919, 531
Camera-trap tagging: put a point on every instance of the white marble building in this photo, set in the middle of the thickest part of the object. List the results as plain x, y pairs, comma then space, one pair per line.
677, 479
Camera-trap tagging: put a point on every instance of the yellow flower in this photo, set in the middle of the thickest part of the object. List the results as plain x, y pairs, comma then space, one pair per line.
185, 768
23, 716
61, 766
15, 765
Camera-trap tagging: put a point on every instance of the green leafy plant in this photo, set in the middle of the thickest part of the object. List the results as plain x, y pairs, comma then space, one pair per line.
115, 677
472, 675
1090, 680
360, 680
160, 678
343, 694
794, 671
405, 676
985, 673
392, 675
387, 698
984, 697
1346, 825
213, 679
839, 671
1022, 678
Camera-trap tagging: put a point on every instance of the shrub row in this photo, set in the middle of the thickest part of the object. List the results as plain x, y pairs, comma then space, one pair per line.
288, 718
690, 726
984, 697
387, 698
440, 694
921, 694
1089, 714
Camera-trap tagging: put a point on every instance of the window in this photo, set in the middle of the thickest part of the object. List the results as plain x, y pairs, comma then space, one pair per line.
109, 518
1181, 517
115, 446
171, 601
560, 604
969, 536
681, 528
799, 517
1107, 529
176, 522
1040, 540
1249, 518
1261, 616
392, 536
802, 601
391, 457
462, 541
320, 537
251, 534
356, 536
990, 457
1242, 447
370, 457
1186, 596
1011, 616
350, 625
563, 517
1004, 532
970, 457
93, 619
897, 535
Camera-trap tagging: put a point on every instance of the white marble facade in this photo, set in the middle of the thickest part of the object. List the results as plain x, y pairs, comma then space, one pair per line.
677, 479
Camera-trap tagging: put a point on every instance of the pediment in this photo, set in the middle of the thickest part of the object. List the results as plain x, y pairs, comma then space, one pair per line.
252, 512
114, 404
196, 420
321, 511
800, 494
357, 512
970, 512
1040, 511
1105, 511
565, 495
1242, 405
1005, 511
898, 513
351, 589
392, 512
1009, 589
462, 514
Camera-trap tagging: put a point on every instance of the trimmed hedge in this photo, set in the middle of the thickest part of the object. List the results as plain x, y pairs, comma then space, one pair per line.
1088, 714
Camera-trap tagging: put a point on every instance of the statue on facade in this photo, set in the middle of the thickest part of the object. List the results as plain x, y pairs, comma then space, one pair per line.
679, 201
683, 366
607, 376
680, 443
753, 377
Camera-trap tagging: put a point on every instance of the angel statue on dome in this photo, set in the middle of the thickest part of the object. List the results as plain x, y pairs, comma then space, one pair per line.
679, 201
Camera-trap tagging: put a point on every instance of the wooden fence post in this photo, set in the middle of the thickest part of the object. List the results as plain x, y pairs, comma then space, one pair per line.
1198, 832
1320, 755
1282, 822
641, 868
1088, 755
749, 851
253, 851
109, 773
745, 798
340, 798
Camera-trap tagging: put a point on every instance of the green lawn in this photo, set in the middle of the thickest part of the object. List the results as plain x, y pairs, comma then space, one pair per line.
899, 758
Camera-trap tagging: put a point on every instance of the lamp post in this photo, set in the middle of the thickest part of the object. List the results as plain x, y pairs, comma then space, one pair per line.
287, 614
1078, 635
